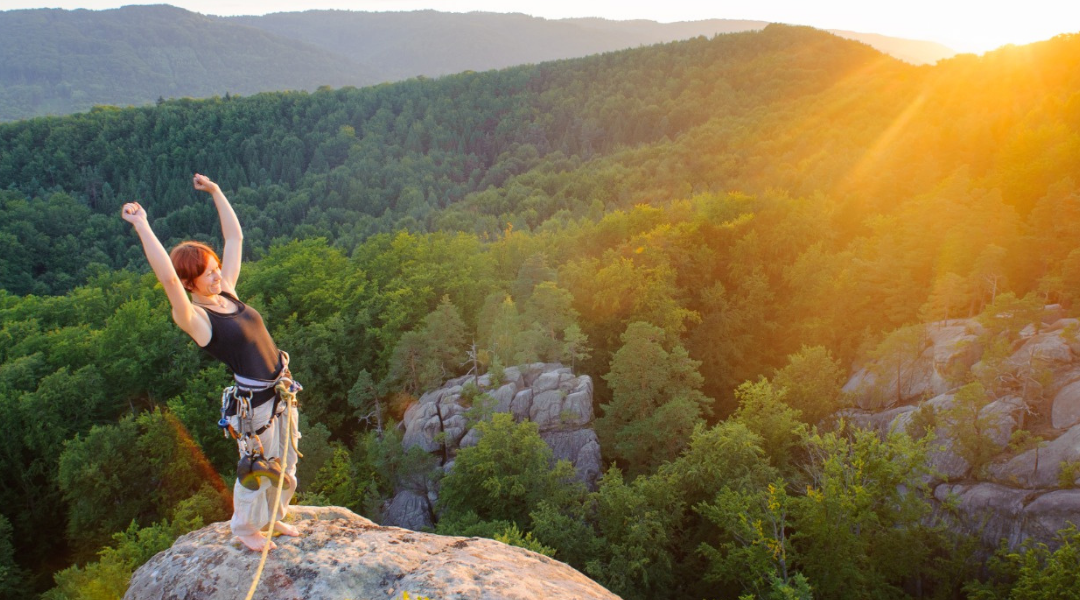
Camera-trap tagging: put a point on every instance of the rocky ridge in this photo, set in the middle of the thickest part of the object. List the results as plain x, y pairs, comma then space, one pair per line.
548, 394
1019, 494
341, 555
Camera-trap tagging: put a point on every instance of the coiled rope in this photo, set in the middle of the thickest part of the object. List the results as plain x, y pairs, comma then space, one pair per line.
283, 388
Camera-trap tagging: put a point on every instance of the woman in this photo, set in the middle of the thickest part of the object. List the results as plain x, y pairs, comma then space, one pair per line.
235, 334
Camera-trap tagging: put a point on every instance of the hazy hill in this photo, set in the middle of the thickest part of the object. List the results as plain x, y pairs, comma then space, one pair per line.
57, 61
431, 43
916, 52
650, 32
405, 44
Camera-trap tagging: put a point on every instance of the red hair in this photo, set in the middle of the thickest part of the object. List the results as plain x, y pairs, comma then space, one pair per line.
190, 259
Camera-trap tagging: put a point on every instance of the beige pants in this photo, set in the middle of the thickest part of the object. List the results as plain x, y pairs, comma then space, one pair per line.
252, 508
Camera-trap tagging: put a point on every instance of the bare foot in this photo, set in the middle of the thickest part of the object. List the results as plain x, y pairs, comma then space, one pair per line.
286, 529
256, 541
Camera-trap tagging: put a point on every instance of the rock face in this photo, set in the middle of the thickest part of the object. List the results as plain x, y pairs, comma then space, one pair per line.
949, 346
1040, 468
1019, 494
341, 555
550, 395
995, 512
1066, 408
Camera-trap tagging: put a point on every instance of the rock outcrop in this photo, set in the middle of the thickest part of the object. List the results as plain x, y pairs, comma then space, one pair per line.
550, 395
993, 512
1018, 495
949, 346
344, 556
1040, 467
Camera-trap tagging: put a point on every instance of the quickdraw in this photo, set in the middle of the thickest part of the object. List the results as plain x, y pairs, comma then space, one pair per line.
236, 400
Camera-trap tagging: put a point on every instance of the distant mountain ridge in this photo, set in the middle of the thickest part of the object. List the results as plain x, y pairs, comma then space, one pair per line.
406, 44
58, 62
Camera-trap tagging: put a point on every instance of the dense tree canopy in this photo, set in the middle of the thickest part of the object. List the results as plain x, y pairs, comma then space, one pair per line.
712, 230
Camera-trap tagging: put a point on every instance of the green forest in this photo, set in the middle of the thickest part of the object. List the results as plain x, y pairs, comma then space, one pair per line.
714, 230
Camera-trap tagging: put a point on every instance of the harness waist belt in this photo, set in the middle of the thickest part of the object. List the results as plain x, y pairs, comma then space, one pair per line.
250, 384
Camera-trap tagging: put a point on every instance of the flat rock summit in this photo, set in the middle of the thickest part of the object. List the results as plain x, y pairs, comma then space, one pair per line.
343, 556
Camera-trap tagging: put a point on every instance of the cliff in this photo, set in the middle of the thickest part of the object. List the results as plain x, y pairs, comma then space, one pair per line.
1023, 435
344, 556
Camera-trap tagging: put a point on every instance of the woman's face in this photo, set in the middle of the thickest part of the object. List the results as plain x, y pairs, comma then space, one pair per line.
209, 283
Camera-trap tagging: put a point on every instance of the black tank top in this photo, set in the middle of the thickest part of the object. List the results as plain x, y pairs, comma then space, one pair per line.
241, 341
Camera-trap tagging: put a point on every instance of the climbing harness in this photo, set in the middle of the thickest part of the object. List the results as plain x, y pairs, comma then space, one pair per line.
236, 399
287, 393
253, 464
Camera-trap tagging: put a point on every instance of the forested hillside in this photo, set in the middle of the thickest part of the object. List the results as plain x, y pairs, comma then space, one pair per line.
60, 62
712, 230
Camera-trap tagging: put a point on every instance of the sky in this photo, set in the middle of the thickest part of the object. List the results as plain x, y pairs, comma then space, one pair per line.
963, 25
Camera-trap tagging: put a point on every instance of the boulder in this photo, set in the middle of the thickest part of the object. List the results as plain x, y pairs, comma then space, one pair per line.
1016, 497
1053, 313
1050, 349
421, 427
546, 408
860, 389
989, 511
944, 458
995, 512
409, 510
454, 429
470, 439
1061, 324
550, 395
342, 555
946, 464
504, 396
1065, 411
530, 373
576, 409
952, 347
512, 376
945, 461
882, 422
582, 448
521, 405
546, 382
918, 381
1040, 467
1051, 512
1069, 329
1002, 422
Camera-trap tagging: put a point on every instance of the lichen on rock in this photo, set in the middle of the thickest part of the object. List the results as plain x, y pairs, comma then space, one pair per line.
342, 556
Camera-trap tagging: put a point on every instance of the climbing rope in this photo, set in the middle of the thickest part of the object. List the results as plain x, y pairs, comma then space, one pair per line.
284, 388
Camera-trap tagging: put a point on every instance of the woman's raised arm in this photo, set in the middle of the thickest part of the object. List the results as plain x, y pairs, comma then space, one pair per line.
230, 229
183, 313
